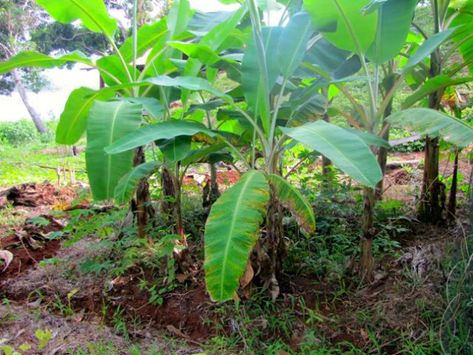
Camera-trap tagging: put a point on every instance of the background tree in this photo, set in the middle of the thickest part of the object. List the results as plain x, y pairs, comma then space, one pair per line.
17, 19
25, 26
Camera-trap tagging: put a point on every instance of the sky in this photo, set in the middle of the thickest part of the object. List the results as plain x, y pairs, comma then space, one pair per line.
50, 102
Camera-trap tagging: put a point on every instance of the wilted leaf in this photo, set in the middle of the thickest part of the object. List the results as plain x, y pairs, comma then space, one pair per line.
7, 258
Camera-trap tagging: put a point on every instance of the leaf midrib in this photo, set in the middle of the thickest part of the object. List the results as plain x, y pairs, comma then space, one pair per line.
90, 17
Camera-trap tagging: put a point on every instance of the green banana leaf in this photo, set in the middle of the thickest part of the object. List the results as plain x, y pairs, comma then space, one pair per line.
127, 185
92, 13
176, 149
231, 232
151, 133
293, 200
394, 23
187, 82
342, 20
433, 123
30, 59
293, 43
73, 121
107, 123
346, 150
435, 84
428, 47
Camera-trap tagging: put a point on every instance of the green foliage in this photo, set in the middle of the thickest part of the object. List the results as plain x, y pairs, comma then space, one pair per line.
427, 47
128, 183
108, 123
18, 133
394, 22
433, 123
340, 19
292, 199
438, 83
73, 120
411, 147
161, 131
33, 59
346, 150
93, 14
229, 240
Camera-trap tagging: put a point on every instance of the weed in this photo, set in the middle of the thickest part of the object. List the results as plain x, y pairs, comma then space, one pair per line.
457, 320
43, 336
119, 323
65, 309
10, 217
38, 221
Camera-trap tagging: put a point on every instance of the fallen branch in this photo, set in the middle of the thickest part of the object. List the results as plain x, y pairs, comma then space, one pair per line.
46, 167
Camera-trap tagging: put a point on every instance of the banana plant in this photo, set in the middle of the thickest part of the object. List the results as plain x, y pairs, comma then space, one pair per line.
135, 96
376, 32
444, 72
115, 110
267, 79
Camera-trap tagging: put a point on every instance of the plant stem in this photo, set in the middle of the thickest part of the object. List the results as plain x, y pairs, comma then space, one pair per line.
276, 111
372, 95
135, 44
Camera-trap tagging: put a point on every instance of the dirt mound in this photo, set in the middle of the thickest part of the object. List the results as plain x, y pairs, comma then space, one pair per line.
35, 195
20, 324
30, 245
182, 312
401, 177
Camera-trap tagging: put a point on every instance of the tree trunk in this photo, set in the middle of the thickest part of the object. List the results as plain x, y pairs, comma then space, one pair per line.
38, 122
270, 250
169, 194
214, 190
143, 197
382, 161
430, 207
171, 207
326, 163
383, 151
211, 191
178, 206
276, 245
367, 260
452, 201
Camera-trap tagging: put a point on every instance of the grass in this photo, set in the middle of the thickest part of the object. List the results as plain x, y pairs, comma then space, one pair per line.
38, 162
27, 156
10, 217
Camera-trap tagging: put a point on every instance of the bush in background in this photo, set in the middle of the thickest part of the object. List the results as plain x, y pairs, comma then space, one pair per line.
411, 147
18, 133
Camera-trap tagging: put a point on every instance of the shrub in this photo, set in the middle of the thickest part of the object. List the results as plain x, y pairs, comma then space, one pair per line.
17, 133
411, 147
